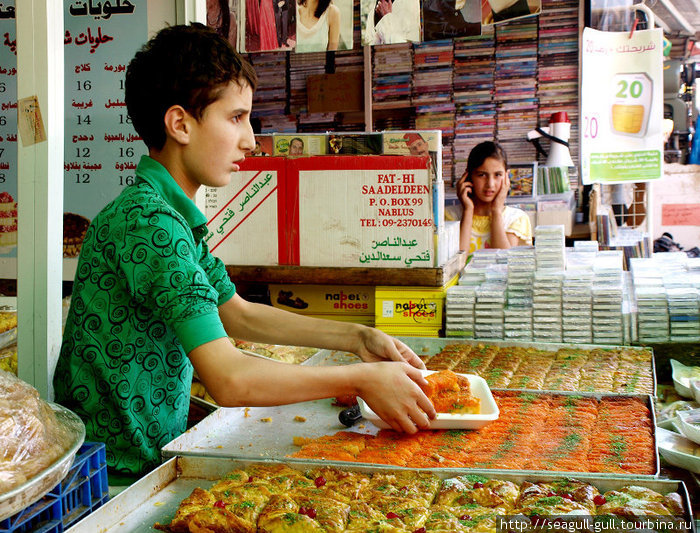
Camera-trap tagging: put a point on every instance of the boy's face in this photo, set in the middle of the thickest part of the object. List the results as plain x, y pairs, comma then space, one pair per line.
221, 138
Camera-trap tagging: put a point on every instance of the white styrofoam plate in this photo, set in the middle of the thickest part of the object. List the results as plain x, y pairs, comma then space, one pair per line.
479, 388
678, 450
689, 424
682, 376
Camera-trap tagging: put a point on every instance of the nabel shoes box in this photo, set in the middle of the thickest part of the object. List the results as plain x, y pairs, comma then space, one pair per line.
411, 306
339, 302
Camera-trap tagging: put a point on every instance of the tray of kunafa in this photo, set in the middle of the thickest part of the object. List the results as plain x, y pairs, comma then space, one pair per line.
462, 401
224, 494
607, 434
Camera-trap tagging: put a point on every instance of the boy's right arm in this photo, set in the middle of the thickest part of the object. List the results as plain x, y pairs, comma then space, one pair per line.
389, 388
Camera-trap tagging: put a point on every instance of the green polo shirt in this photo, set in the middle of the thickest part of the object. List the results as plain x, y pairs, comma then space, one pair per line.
146, 292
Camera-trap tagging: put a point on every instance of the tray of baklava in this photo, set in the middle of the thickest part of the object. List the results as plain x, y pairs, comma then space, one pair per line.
217, 494
541, 366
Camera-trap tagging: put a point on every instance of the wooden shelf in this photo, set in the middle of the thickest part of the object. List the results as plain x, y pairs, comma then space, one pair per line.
405, 277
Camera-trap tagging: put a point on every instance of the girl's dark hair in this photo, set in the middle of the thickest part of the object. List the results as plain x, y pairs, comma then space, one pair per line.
481, 152
181, 65
320, 8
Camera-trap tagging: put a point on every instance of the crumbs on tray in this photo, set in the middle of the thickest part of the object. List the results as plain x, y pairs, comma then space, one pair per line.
299, 419
266, 419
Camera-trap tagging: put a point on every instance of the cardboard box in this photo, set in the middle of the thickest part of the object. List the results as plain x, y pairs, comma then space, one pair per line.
564, 217
411, 306
410, 331
329, 211
246, 217
355, 300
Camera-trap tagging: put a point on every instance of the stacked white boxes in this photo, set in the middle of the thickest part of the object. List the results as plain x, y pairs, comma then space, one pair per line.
517, 315
607, 297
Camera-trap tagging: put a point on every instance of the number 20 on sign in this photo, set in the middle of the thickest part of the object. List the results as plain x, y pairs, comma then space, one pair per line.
631, 103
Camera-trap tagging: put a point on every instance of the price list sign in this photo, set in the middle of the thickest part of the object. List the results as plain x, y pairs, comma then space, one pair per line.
8, 131
102, 148
621, 106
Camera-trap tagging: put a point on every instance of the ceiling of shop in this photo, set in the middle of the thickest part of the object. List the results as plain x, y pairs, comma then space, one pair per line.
677, 17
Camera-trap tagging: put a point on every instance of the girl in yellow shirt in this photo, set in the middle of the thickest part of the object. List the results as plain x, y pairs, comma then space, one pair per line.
486, 221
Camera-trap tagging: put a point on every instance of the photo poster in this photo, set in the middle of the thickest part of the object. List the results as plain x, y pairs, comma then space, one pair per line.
621, 106
416, 142
101, 147
8, 131
310, 29
497, 11
222, 17
298, 144
263, 145
445, 19
390, 21
266, 25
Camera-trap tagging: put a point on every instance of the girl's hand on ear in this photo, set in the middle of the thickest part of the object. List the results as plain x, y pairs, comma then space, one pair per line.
500, 200
464, 191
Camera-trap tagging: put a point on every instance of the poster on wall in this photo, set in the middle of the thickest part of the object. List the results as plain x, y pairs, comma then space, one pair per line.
445, 19
497, 11
390, 21
266, 25
324, 26
621, 106
8, 131
101, 147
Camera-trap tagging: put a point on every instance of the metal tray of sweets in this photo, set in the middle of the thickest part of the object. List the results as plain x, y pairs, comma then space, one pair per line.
270, 432
156, 496
38, 485
430, 346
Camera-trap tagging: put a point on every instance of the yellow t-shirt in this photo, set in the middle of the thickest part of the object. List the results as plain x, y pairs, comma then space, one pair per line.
515, 220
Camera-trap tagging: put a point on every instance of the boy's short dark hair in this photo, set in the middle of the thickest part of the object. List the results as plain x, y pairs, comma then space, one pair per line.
181, 65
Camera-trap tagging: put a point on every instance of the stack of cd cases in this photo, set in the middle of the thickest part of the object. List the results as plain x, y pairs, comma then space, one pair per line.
459, 311
546, 307
517, 315
606, 298
549, 247
488, 310
683, 314
576, 306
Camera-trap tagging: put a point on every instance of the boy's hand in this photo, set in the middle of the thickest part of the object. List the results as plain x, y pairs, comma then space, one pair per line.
378, 346
464, 191
393, 392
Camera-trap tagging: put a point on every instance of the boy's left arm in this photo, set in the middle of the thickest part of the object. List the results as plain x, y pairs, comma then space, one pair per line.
263, 323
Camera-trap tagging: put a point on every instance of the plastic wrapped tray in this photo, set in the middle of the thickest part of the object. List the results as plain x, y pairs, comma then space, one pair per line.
37, 486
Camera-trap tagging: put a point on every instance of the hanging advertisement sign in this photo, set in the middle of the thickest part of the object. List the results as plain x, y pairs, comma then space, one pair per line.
621, 106
8, 133
101, 147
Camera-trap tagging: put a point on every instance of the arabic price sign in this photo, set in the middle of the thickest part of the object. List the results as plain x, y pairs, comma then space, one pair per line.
101, 146
621, 106
8, 132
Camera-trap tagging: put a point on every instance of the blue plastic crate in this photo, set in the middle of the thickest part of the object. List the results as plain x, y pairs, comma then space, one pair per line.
81, 491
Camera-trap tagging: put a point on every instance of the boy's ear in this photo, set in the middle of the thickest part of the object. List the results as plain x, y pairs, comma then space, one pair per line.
177, 124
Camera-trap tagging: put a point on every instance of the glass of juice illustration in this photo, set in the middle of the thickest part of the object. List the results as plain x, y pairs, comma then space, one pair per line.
631, 103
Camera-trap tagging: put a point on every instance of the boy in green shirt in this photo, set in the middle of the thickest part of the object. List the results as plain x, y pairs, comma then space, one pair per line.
150, 303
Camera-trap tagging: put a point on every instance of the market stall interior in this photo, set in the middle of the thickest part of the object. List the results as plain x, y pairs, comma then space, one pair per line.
510, 189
